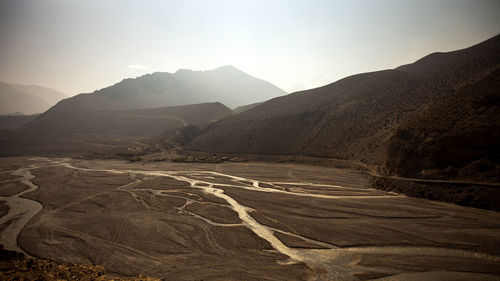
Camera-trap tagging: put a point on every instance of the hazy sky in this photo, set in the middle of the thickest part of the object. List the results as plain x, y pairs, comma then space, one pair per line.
81, 46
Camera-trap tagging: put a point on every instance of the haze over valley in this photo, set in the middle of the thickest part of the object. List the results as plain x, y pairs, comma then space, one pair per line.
253, 141
27, 100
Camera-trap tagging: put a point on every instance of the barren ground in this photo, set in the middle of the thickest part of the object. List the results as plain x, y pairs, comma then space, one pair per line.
245, 221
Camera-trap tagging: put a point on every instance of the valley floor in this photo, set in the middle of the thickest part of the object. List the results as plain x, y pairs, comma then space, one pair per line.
238, 221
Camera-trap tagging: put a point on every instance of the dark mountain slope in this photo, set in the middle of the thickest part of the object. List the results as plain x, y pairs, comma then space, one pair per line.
61, 132
449, 68
14, 122
242, 108
140, 122
303, 122
458, 136
131, 107
352, 118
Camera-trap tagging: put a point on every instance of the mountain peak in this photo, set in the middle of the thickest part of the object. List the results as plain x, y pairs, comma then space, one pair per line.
185, 70
227, 68
225, 84
224, 68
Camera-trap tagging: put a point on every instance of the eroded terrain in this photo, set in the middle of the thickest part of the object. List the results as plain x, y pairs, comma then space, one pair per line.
244, 221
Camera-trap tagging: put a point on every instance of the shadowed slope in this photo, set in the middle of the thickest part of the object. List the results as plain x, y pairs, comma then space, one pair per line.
140, 122
133, 107
303, 122
142, 107
456, 137
63, 132
352, 118
14, 122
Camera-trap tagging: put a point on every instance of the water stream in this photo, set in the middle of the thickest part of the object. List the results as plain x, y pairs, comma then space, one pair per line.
21, 210
335, 263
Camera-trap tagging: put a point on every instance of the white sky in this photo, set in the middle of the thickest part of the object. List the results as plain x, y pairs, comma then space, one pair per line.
81, 46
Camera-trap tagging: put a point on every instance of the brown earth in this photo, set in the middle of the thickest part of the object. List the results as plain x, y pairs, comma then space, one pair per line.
15, 266
136, 232
457, 137
11, 188
356, 117
61, 131
4, 209
133, 221
14, 122
467, 194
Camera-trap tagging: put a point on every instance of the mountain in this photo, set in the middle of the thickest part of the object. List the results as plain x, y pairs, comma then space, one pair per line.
226, 84
13, 100
144, 107
242, 108
59, 132
48, 95
358, 117
456, 137
15, 121
26, 99
136, 122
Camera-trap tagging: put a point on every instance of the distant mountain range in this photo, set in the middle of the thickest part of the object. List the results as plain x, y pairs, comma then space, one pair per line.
418, 119
125, 108
227, 85
18, 99
146, 106
434, 118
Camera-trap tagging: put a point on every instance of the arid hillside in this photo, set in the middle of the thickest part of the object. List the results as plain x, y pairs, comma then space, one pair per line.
143, 107
63, 132
227, 85
140, 122
242, 108
356, 117
458, 136
14, 122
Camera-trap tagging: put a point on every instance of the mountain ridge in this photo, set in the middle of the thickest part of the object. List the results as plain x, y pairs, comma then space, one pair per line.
180, 88
354, 117
124, 109
49, 95
27, 99
132, 122
24, 99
